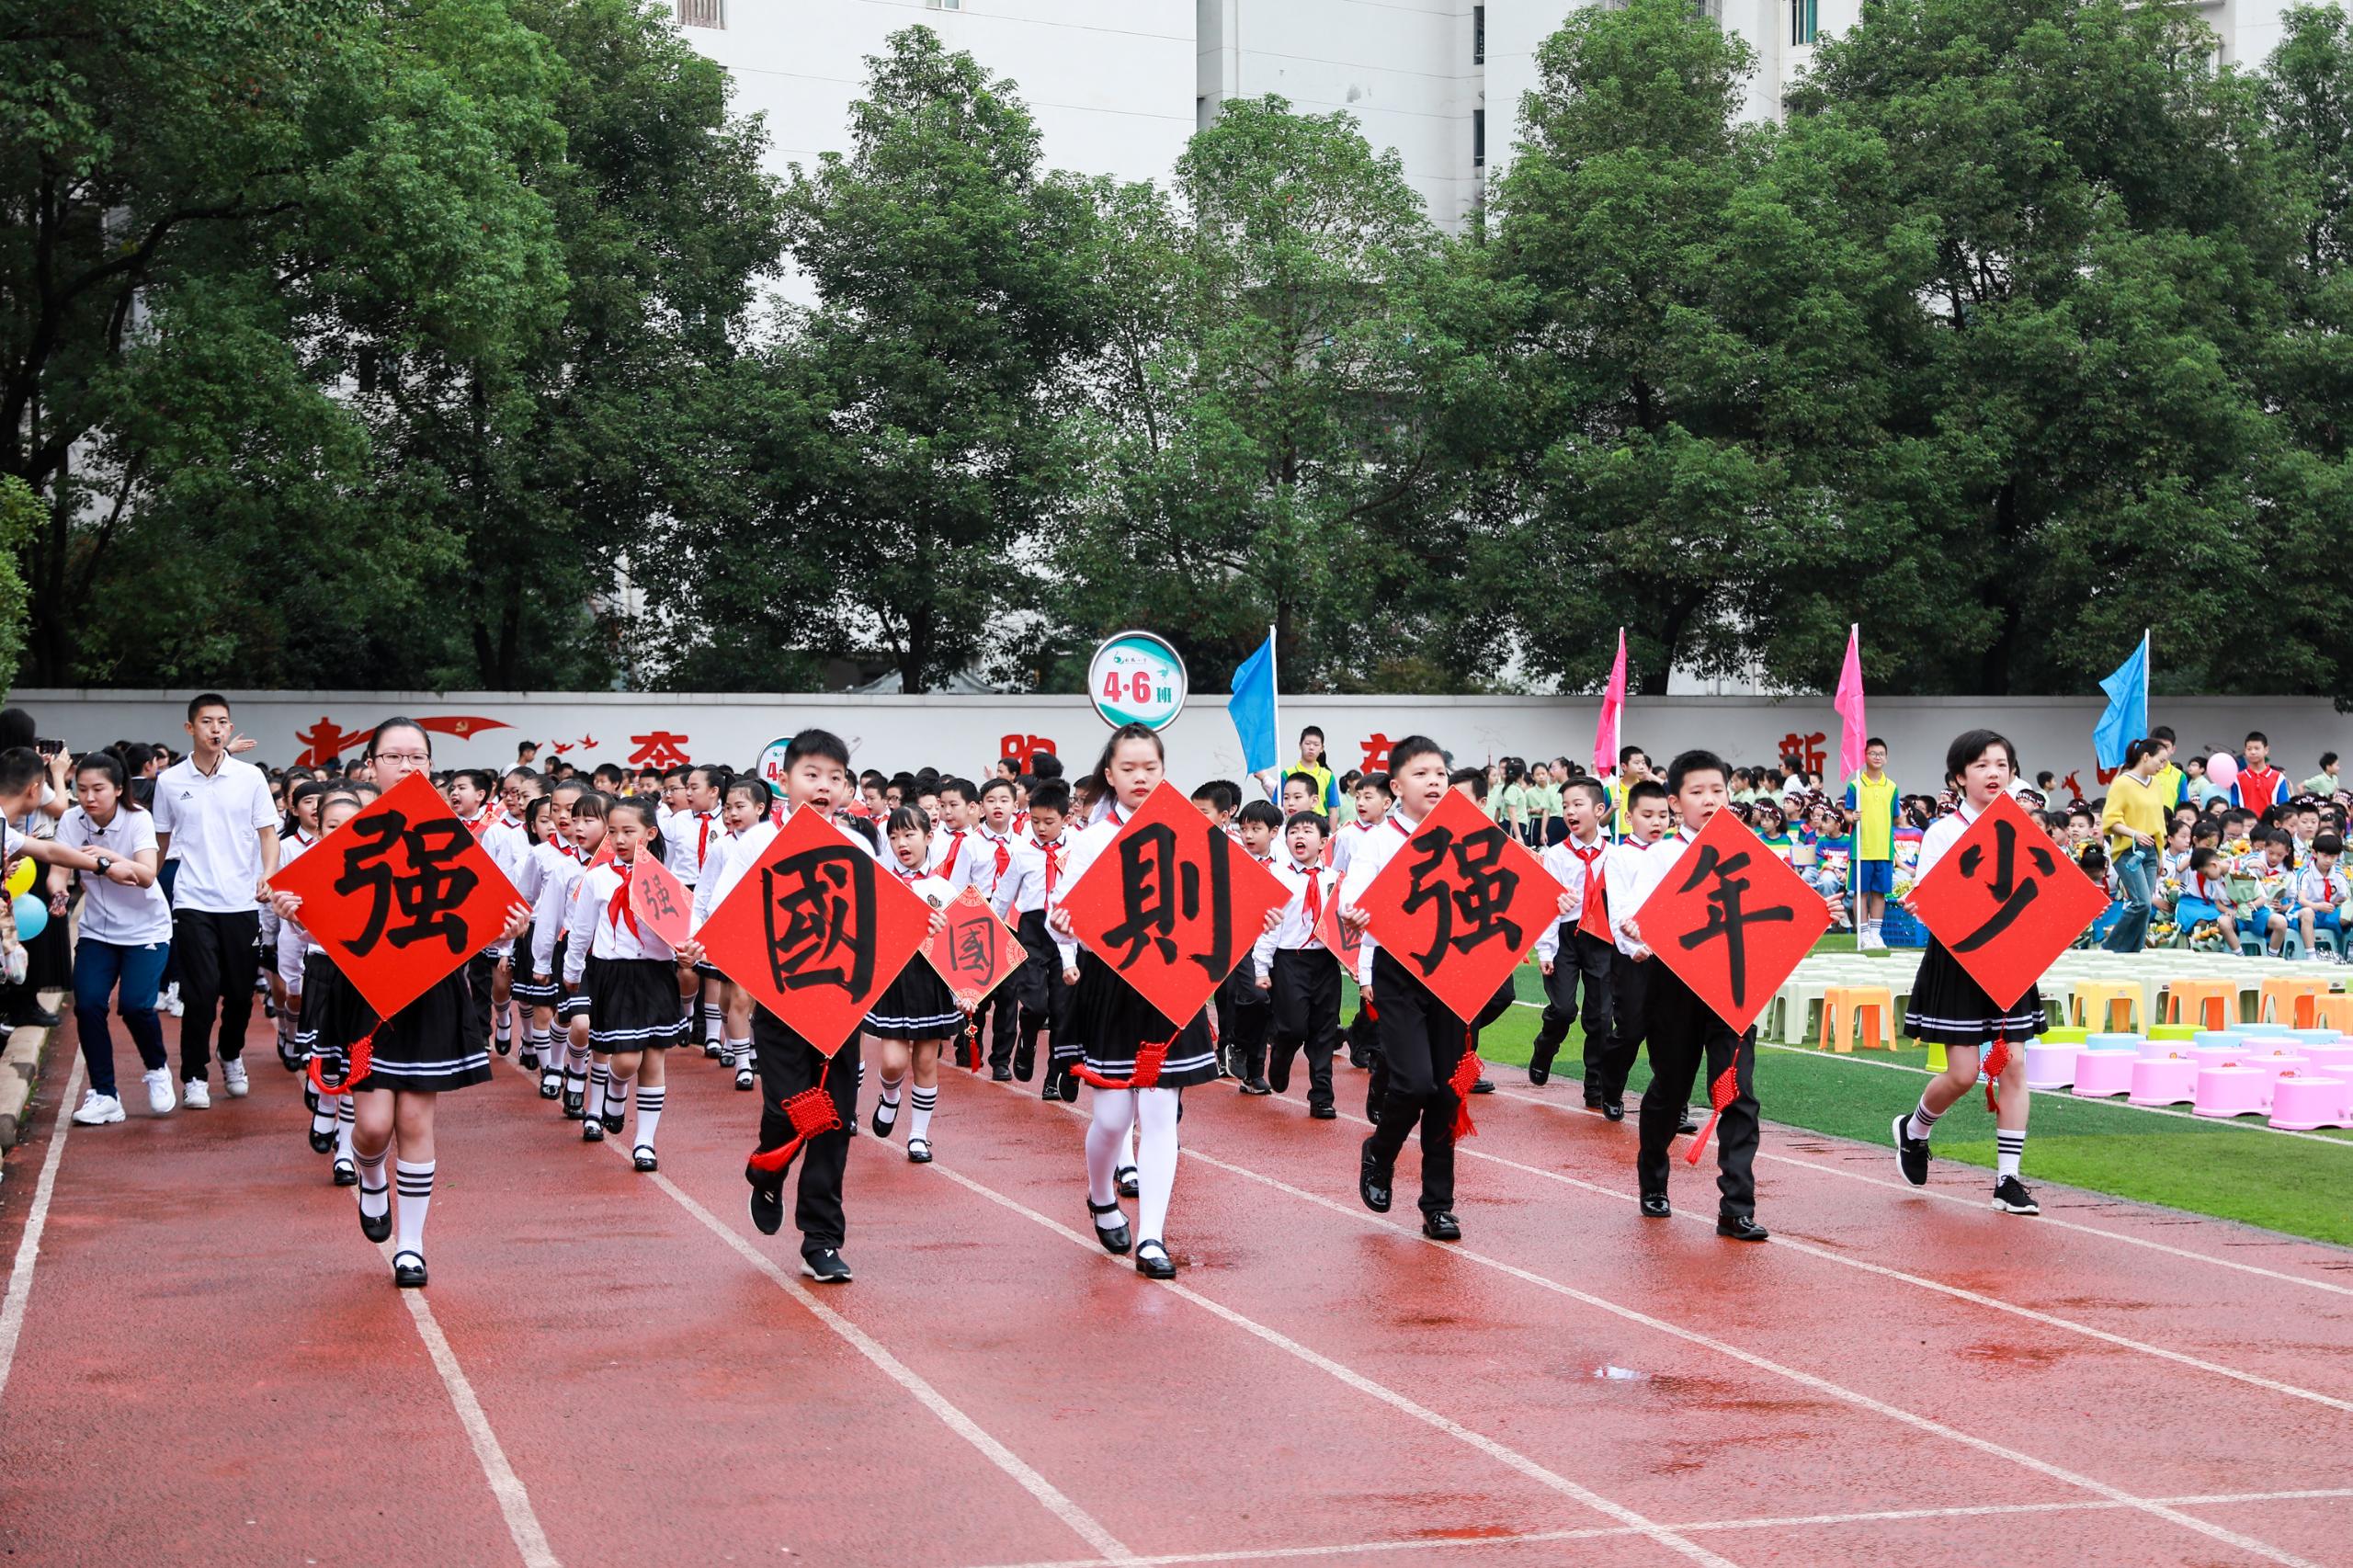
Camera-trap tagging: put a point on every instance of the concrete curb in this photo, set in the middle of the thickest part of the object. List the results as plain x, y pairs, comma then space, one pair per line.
20, 1072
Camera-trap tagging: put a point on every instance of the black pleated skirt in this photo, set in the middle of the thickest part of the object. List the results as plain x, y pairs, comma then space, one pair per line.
1948, 1008
633, 1005
1109, 1021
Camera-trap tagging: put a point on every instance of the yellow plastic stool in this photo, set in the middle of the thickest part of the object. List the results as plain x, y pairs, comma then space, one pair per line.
1869, 1009
2212, 1001
2294, 996
2108, 995
2334, 1012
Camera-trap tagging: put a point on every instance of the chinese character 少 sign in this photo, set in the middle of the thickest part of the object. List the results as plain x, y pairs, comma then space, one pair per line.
400, 895
1173, 903
974, 952
1731, 919
815, 930
1461, 904
2005, 902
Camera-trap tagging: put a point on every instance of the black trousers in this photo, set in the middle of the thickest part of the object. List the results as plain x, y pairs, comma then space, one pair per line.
1306, 1015
1684, 1033
219, 962
1421, 1044
1582, 965
1002, 1010
1609, 1056
789, 1064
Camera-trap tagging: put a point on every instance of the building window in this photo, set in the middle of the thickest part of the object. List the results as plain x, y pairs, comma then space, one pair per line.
1801, 20
1478, 139
702, 13
1478, 35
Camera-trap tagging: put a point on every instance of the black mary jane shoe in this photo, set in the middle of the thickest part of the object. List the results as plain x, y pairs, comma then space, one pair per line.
408, 1270
1152, 1260
643, 1158
321, 1142
1740, 1227
711, 1051
288, 1057
379, 1229
591, 1130
882, 1129
1372, 1182
551, 1085
616, 1119
505, 1046
310, 1096
1441, 1226
918, 1151
575, 1104
529, 1061
1124, 1179
1655, 1207
1115, 1239
345, 1174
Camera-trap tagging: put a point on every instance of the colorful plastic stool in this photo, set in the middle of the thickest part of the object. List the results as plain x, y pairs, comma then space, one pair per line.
2300, 1104
2333, 1011
2050, 1066
2226, 1092
1849, 1009
2214, 1003
2092, 1003
2218, 1037
2101, 1074
2169, 1082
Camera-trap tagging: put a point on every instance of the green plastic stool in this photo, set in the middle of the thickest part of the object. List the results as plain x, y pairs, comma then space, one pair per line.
2173, 1031
2066, 1034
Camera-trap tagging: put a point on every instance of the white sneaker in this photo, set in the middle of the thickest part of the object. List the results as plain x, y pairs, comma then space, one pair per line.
97, 1110
196, 1095
170, 1004
233, 1077
159, 1091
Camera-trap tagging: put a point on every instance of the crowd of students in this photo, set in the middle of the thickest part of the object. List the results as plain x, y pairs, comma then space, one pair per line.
169, 861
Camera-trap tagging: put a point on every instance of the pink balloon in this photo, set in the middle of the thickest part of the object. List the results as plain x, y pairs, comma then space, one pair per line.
2223, 769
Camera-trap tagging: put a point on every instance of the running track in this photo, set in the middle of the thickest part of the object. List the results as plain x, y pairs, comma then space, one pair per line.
204, 1360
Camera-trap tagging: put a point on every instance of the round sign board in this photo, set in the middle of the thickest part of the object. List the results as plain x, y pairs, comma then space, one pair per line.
1137, 679
772, 764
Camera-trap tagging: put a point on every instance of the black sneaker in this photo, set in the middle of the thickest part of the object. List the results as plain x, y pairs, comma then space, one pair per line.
1912, 1154
1690, 1125
2011, 1197
825, 1266
1538, 1076
768, 1208
1257, 1086
1613, 1110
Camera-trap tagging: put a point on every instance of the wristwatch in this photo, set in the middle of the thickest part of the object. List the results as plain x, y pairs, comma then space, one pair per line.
105, 864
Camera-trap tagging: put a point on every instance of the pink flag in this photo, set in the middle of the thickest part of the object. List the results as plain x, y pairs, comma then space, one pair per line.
1853, 732
1613, 702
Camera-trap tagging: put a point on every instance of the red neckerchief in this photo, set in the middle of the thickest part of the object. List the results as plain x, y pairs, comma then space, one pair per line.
955, 848
1004, 858
621, 907
1053, 854
478, 824
1315, 876
1594, 918
702, 839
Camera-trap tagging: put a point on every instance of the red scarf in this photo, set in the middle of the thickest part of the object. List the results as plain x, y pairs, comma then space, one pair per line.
1594, 918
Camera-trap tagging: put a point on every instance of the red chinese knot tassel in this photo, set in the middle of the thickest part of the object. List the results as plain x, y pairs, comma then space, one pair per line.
1149, 1060
1722, 1093
1466, 1073
362, 1053
1997, 1057
811, 1113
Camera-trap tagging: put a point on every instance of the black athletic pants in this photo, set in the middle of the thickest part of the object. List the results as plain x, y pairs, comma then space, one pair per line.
219, 962
789, 1064
1421, 1044
1305, 1014
1684, 1033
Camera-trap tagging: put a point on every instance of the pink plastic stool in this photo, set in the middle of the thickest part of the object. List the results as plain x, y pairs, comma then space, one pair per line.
2216, 1055
2331, 1061
2169, 1082
2100, 1074
2052, 1067
2278, 1063
2300, 1104
2225, 1092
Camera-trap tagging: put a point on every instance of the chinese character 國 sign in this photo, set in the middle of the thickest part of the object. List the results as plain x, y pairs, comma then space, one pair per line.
815, 930
1173, 903
974, 952
1137, 679
1461, 904
1731, 919
400, 895
2005, 902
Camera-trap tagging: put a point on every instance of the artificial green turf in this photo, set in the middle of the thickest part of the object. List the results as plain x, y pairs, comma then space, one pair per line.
2294, 1185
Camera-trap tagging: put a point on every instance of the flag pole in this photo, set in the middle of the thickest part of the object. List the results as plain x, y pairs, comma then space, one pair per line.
1275, 679
1855, 836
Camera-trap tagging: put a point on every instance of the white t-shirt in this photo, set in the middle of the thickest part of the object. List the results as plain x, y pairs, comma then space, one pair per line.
214, 822
112, 912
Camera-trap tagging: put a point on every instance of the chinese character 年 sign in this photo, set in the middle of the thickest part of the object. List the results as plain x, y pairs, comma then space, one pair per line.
400, 895
975, 952
1461, 904
1173, 903
1731, 920
2005, 902
815, 930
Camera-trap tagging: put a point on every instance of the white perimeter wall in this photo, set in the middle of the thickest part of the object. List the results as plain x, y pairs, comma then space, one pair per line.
964, 734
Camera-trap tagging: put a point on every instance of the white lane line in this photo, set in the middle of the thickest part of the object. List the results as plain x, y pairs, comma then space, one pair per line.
1956, 1292
1807, 1379
513, 1503
1634, 1522
2046, 1219
1083, 1524
1841, 1057
20, 1272
1596, 1532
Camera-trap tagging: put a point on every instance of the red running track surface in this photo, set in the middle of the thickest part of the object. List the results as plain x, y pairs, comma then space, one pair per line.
204, 1361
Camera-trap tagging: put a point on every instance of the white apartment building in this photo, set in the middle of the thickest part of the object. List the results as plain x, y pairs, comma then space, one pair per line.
1116, 86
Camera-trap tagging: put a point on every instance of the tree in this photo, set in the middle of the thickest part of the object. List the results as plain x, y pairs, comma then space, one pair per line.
1293, 350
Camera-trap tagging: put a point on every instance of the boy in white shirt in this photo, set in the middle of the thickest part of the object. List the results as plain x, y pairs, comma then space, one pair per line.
1301, 975
1577, 953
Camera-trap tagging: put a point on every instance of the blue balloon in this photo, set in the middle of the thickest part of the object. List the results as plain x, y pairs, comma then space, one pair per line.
32, 916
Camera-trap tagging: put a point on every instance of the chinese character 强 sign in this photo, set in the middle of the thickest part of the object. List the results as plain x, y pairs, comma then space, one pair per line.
1461, 904
2005, 902
1731, 920
400, 895
660, 900
1173, 903
816, 931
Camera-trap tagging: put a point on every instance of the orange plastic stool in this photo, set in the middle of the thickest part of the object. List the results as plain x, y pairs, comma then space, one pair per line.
2333, 1011
2213, 1003
1847, 1009
2108, 995
2293, 996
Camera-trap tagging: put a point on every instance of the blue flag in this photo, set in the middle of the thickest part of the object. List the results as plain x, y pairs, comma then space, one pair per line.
1253, 709
2127, 718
